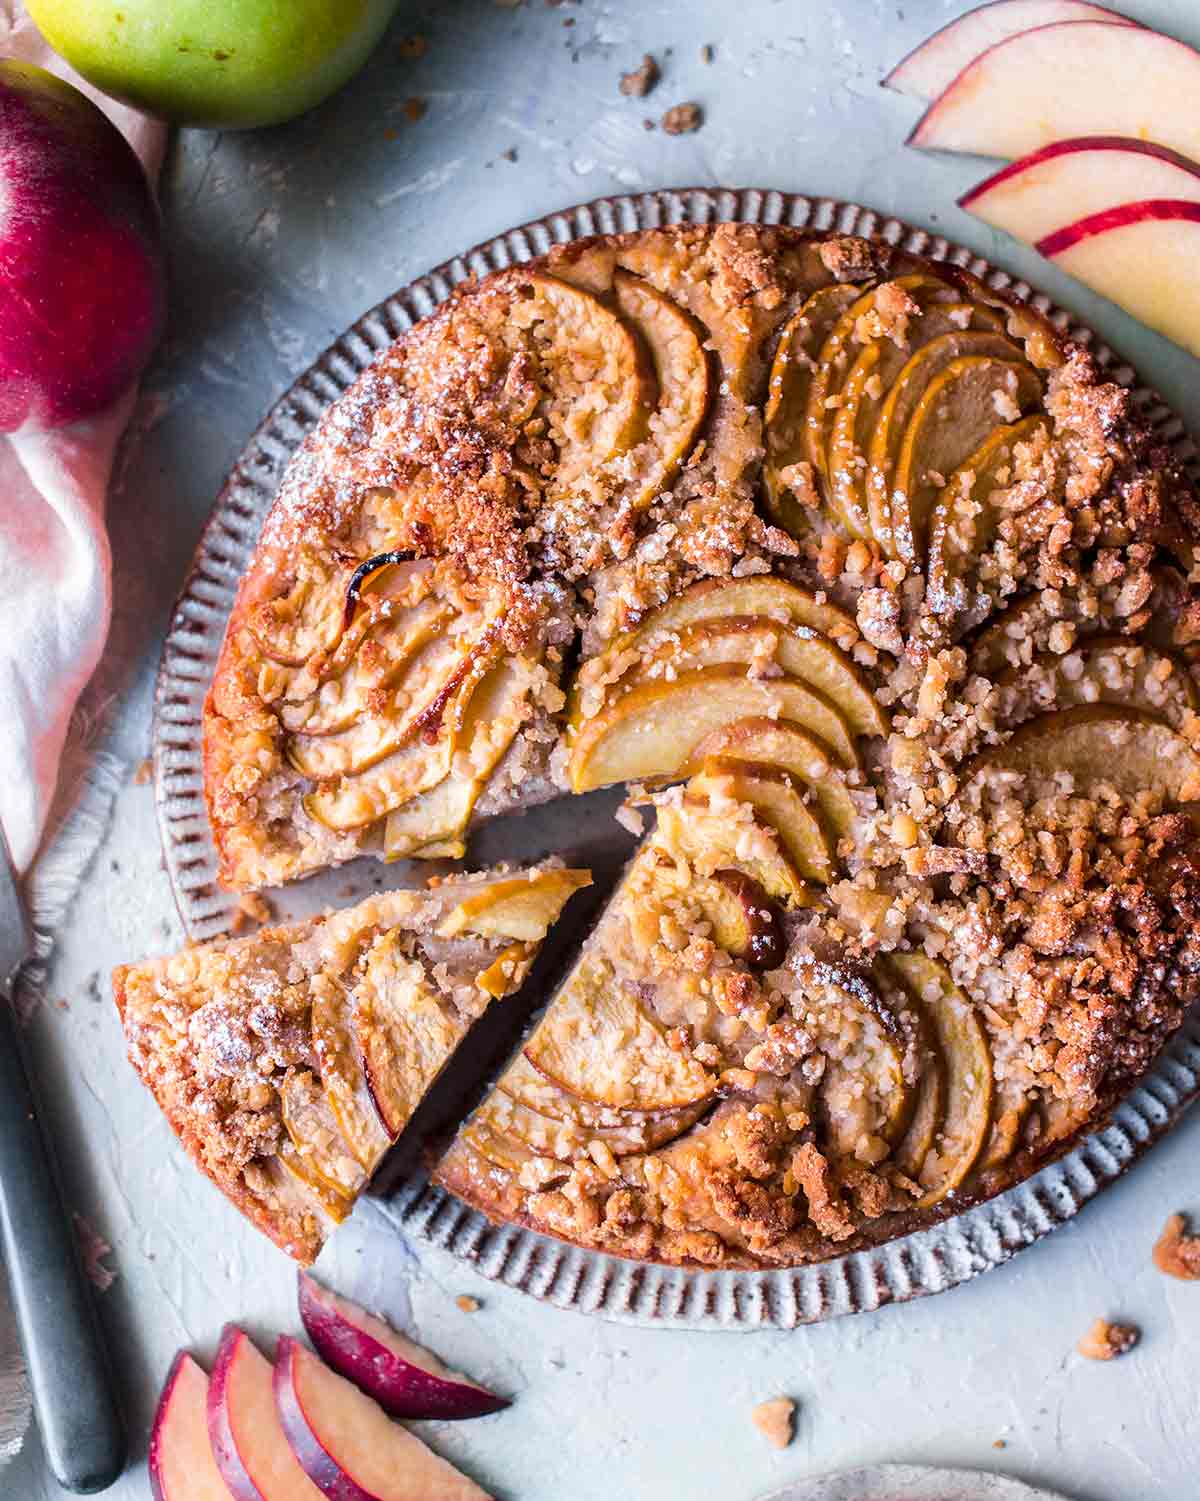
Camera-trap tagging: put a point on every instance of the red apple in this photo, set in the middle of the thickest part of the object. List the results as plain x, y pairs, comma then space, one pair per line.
1060, 82
406, 1380
81, 269
348, 1445
253, 1455
1072, 180
934, 65
181, 1461
1143, 257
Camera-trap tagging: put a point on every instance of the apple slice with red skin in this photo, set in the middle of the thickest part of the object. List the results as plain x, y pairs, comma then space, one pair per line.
1142, 256
248, 1442
931, 68
180, 1461
1071, 79
406, 1380
1072, 180
347, 1445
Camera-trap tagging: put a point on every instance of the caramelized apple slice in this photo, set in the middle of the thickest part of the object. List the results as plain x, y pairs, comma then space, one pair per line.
1100, 670
929, 1109
498, 705
506, 972
304, 623
684, 386
510, 1121
313, 1129
746, 922
787, 399
781, 743
653, 730
707, 839
777, 801
956, 412
597, 1042
342, 1077
523, 907
1100, 746
525, 1084
1012, 1107
968, 1063
347, 1445
304, 1176
882, 425
756, 640
405, 1031
964, 521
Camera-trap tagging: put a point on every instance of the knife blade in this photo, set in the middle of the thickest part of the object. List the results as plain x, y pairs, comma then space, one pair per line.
80, 1425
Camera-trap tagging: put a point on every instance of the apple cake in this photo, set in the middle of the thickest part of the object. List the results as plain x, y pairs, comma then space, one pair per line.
289, 1061
882, 602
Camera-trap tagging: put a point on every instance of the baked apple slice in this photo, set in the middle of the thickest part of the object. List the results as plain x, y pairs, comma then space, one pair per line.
523, 1083
1114, 670
755, 640
523, 907
786, 409
305, 623
785, 745
777, 801
503, 1122
248, 1442
406, 1380
676, 343
1011, 1110
654, 729
597, 1042
343, 1078
932, 67
180, 1461
964, 521
956, 412
866, 1091
963, 1046
311, 1124
1099, 745
745, 921
293, 1174
703, 837
347, 1446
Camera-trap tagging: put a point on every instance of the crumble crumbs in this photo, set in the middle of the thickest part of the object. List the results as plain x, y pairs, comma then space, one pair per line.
638, 83
252, 908
707, 53
144, 773
467, 1303
776, 1421
1105, 1341
1176, 1252
415, 109
412, 46
681, 119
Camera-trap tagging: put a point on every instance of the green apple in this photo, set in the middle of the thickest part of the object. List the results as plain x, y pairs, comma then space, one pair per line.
225, 63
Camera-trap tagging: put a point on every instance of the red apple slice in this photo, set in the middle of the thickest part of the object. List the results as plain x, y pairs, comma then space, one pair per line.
1142, 256
248, 1443
1056, 83
348, 1445
933, 66
181, 1463
406, 1380
1071, 180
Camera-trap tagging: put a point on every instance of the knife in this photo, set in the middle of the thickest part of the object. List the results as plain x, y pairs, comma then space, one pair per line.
81, 1429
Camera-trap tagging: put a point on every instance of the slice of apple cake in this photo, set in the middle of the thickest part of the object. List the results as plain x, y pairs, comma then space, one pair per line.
289, 1061
895, 596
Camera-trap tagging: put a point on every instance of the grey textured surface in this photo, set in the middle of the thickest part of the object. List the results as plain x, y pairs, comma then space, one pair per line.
279, 240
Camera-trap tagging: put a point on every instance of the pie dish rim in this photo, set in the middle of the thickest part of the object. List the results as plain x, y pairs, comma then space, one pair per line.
915, 1264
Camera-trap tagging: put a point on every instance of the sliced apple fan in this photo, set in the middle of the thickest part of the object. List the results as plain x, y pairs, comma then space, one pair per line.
881, 599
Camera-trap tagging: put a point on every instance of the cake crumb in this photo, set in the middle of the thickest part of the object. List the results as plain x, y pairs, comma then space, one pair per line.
681, 119
707, 52
251, 908
412, 46
1176, 1252
467, 1303
630, 819
510, 155
1105, 1341
776, 1421
642, 79
999, 1443
144, 773
415, 109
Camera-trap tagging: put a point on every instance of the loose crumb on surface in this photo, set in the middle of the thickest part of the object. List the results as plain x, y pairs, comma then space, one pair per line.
630, 819
93, 1248
707, 53
1176, 1252
776, 1421
144, 773
1105, 1341
642, 79
412, 46
680, 119
999, 1443
467, 1303
415, 108
510, 155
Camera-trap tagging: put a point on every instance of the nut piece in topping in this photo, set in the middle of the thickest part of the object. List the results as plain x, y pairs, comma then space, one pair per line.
1176, 1252
639, 83
776, 1421
680, 119
1105, 1341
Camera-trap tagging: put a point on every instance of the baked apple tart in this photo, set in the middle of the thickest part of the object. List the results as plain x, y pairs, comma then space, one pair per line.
881, 602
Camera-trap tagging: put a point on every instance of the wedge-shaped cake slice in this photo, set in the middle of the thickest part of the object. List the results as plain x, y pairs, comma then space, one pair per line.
289, 1061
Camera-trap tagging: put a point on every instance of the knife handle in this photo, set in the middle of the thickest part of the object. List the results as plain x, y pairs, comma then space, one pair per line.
81, 1430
